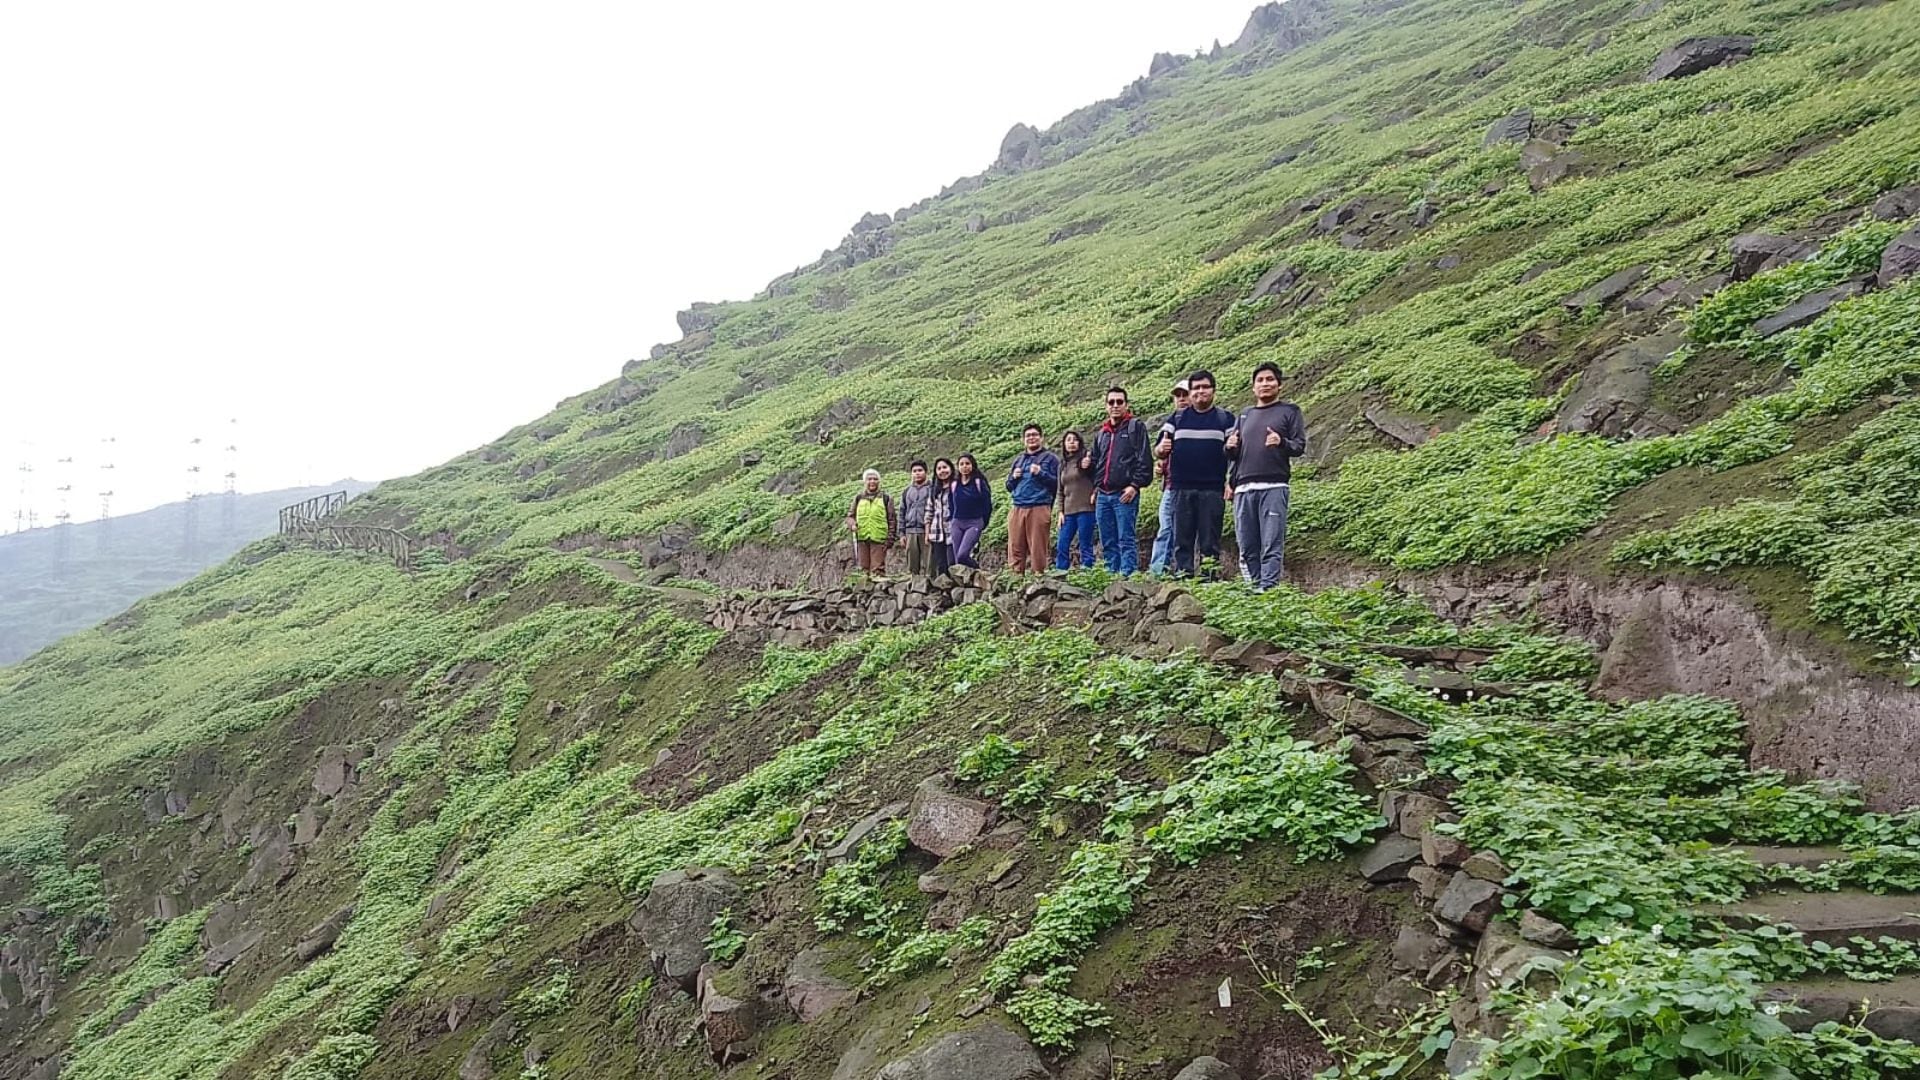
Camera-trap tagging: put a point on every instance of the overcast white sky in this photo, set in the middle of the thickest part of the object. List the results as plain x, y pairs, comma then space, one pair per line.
358, 238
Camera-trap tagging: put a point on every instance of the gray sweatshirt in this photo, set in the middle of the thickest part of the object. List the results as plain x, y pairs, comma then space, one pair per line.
913, 507
1254, 462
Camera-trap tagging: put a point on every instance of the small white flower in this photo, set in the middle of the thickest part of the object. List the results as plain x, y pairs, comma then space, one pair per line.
1656, 929
1772, 1007
1606, 939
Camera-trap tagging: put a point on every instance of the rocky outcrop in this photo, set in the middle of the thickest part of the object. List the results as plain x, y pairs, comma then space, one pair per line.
677, 916
322, 937
1698, 54
1019, 149
1279, 28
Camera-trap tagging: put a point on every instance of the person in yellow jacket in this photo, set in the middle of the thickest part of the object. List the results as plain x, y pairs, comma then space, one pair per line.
874, 523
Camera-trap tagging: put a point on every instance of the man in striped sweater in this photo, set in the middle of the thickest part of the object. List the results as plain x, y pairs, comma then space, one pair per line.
1193, 443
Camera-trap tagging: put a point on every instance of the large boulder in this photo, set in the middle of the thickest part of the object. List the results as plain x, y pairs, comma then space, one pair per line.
941, 823
1698, 54
677, 916
1614, 395
1901, 259
987, 1052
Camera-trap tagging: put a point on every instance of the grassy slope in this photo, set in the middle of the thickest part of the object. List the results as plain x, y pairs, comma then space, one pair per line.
536, 826
955, 339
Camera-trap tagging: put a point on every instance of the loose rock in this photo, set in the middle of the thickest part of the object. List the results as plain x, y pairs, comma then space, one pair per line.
1389, 859
1469, 902
942, 823
1207, 1068
677, 916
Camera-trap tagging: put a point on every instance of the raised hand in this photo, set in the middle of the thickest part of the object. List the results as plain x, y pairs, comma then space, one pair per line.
1087, 462
1033, 469
1273, 437
1233, 439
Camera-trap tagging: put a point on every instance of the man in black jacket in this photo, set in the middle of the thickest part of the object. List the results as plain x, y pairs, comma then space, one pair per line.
1121, 462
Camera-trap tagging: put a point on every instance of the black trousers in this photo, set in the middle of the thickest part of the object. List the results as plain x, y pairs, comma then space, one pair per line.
941, 555
1197, 518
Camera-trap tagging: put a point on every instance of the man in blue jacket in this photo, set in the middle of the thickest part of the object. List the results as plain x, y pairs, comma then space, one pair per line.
1121, 463
1033, 481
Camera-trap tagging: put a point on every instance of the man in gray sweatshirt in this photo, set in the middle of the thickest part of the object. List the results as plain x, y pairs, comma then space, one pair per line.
1261, 448
913, 520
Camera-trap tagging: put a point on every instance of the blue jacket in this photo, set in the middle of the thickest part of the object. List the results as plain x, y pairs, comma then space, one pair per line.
970, 501
1034, 489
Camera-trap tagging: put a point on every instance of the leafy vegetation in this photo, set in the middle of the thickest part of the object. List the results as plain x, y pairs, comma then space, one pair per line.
540, 738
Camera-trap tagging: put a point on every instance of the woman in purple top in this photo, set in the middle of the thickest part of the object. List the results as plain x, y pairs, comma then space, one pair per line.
969, 505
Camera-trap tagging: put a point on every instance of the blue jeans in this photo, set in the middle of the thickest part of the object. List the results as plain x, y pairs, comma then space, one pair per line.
1072, 525
1163, 538
1116, 520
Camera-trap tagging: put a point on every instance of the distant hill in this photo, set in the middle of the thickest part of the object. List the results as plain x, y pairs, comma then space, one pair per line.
56, 581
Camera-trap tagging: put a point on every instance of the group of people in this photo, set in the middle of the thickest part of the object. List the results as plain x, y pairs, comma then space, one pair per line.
1206, 456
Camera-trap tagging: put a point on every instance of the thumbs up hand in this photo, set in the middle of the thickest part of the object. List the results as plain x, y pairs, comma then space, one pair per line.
1273, 437
1233, 439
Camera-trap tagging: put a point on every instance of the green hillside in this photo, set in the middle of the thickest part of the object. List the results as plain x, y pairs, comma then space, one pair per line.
56, 581
310, 817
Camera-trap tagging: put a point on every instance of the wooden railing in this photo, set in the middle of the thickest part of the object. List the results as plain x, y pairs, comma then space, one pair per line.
309, 522
316, 509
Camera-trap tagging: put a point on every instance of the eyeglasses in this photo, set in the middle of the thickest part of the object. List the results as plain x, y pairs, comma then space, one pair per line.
1115, 403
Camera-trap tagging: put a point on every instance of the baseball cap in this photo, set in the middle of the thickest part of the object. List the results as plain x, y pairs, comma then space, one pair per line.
1181, 386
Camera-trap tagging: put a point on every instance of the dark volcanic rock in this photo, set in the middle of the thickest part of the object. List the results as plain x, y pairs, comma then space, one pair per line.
1698, 54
